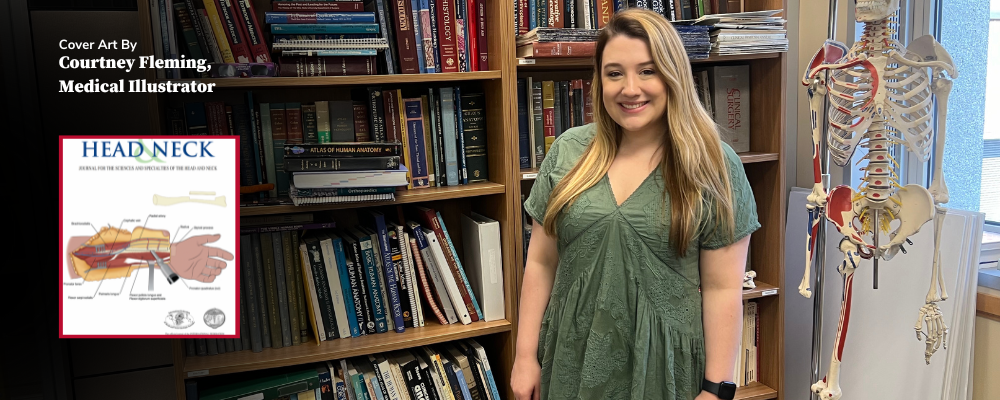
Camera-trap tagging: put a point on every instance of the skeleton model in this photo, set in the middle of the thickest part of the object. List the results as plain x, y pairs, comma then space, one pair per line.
880, 94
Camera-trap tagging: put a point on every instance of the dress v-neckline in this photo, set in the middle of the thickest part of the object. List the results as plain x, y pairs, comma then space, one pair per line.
611, 190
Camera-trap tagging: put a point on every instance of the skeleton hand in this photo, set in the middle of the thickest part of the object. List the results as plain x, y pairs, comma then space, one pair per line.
937, 333
191, 259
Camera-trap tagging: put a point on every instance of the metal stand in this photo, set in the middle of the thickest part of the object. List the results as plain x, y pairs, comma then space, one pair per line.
820, 253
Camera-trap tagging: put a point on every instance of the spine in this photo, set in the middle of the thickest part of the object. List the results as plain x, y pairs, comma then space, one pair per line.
433, 14
446, 36
454, 264
556, 14
427, 42
262, 306
300, 295
291, 286
377, 114
399, 259
219, 31
361, 131
326, 313
293, 123
249, 276
341, 164
284, 322
483, 44
415, 133
347, 278
392, 128
244, 229
463, 169
339, 308
405, 40
233, 28
366, 319
326, 66
342, 150
448, 122
391, 279
524, 147
474, 127
310, 126
472, 34
548, 114
424, 283
279, 136
273, 313
355, 6
271, 17
323, 28
383, 26
374, 291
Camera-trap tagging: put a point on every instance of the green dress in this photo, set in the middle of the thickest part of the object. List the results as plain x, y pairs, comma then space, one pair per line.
624, 318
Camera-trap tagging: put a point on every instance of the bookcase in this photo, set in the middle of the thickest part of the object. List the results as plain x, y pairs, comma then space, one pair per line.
499, 198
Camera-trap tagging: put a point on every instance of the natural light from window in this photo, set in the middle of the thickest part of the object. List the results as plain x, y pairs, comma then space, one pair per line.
990, 194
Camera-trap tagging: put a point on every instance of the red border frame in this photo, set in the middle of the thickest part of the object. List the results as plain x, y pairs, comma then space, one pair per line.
236, 253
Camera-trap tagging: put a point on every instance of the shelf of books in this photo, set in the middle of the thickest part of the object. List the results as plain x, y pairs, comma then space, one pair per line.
556, 63
432, 333
401, 197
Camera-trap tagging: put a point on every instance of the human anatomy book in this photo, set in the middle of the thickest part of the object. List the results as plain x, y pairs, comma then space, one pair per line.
148, 237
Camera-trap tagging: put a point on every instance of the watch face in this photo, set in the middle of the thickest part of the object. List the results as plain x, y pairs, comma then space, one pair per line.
727, 390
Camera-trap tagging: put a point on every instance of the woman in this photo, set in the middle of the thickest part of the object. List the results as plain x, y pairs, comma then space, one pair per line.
633, 284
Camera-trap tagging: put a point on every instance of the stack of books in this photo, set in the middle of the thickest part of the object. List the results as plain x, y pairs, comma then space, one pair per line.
325, 38
696, 40
224, 33
557, 42
545, 109
347, 172
459, 369
748, 33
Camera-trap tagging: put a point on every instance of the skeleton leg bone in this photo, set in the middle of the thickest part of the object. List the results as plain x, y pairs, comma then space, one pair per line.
829, 387
815, 216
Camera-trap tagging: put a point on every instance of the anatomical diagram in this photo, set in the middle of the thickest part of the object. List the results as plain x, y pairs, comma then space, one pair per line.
115, 253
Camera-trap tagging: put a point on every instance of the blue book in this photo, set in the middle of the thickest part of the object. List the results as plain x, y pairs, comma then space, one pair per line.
463, 170
447, 98
390, 271
273, 17
324, 28
345, 285
532, 15
421, 66
194, 115
323, 36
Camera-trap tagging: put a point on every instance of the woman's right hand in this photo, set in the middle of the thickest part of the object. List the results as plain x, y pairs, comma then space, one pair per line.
526, 378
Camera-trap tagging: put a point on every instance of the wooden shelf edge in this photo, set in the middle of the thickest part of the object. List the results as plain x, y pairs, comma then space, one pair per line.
755, 391
243, 361
756, 157
343, 80
763, 289
402, 197
988, 306
587, 62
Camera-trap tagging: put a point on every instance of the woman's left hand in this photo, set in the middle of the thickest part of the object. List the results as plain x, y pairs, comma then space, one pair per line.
706, 396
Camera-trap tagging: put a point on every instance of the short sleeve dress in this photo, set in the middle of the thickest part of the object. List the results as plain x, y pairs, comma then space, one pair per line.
624, 318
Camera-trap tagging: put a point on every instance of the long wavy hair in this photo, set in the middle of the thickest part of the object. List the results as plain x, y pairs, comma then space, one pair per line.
694, 168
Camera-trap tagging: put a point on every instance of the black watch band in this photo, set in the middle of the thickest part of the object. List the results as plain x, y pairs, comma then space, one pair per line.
723, 390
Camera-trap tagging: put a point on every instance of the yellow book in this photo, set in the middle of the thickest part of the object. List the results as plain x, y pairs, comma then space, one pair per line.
548, 114
219, 31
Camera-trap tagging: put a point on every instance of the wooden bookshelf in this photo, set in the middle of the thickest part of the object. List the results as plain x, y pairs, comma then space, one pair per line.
287, 82
500, 199
242, 361
402, 197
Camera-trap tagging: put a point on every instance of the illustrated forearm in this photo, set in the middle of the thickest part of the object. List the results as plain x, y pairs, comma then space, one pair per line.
114, 253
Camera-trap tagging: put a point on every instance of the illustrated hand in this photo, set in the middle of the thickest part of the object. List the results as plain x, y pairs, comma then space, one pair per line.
526, 378
191, 259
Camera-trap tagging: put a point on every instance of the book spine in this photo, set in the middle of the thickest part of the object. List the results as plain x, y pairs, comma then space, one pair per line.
284, 322
447, 105
255, 38
262, 305
342, 150
404, 138
322, 122
218, 31
411, 272
293, 123
323, 28
446, 36
270, 153
279, 136
481, 37
577, 93
463, 170
326, 66
339, 318
556, 14
186, 21
376, 114
418, 37
197, 122
548, 114
383, 26
453, 265
472, 34
341, 121
402, 278
557, 107
234, 34
563, 49
318, 269
291, 286
341, 164
366, 319
317, 17
273, 313
542, 13
421, 273
248, 172
406, 45
309, 129
361, 131
461, 43
392, 128
391, 279
374, 289
347, 281
415, 133
428, 133
524, 146
588, 104
430, 6
249, 276
435, 156
538, 126
299, 6
300, 294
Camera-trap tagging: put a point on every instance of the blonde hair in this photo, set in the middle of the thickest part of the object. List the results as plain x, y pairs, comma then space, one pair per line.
694, 167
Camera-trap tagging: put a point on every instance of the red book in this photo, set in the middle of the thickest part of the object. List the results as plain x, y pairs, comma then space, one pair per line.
523, 22
326, 66
406, 41
483, 45
234, 30
556, 13
557, 49
446, 35
604, 10
251, 26
318, 6
293, 122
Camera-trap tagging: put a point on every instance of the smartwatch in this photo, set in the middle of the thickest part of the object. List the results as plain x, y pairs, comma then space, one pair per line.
724, 390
